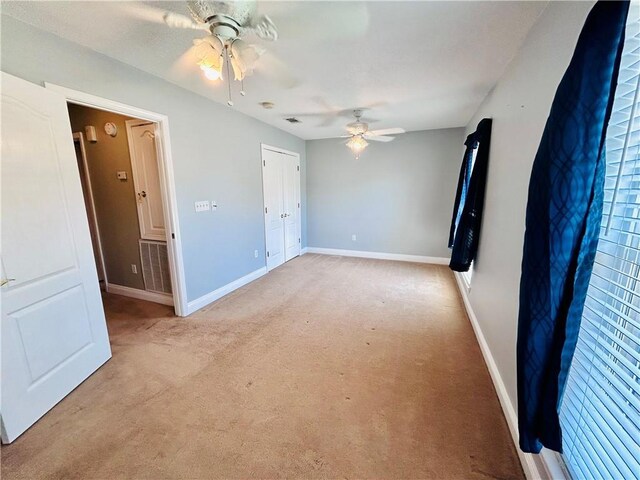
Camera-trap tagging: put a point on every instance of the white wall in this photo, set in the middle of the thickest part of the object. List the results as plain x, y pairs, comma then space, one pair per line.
216, 150
519, 106
397, 198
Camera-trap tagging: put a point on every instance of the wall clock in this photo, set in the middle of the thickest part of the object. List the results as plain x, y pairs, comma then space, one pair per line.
110, 129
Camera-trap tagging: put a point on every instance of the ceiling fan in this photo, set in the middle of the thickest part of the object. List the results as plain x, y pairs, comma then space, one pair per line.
229, 23
359, 133
226, 24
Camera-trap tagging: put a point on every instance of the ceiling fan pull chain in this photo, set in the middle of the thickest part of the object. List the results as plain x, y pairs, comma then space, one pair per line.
242, 92
229, 102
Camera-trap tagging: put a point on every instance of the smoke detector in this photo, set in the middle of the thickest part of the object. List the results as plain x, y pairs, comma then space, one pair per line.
267, 105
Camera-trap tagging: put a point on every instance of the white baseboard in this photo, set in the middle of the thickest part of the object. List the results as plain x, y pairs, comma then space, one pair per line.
163, 298
547, 465
210, 297
379, 255
303, 250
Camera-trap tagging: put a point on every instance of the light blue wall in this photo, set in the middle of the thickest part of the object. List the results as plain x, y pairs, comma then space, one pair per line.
216, 150
397, 198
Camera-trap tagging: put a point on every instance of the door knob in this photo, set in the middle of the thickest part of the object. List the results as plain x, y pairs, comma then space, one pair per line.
281, 215
142, 194
5, 281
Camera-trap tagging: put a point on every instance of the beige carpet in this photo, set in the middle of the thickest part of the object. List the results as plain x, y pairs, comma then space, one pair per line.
327, 367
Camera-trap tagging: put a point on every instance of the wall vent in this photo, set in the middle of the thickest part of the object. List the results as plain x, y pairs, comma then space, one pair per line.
292, 120
155, 266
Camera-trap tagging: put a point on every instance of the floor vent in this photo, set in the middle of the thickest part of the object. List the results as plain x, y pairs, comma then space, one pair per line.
155, 266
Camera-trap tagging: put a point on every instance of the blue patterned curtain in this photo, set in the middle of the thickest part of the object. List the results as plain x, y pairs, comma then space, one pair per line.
564, 211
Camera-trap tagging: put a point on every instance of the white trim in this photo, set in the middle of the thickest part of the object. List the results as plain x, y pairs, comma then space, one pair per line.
303, 250
167, 181
264, 146
163, 298
544, 466
79, 137
211, 297
379, 255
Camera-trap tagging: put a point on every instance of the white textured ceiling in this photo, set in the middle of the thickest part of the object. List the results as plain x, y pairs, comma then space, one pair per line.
418, 65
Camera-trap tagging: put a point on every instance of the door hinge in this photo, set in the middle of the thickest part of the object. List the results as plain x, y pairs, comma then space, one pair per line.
267, 253
298, 204
298, 240
173, 235
264, 163
265, 209
298, 167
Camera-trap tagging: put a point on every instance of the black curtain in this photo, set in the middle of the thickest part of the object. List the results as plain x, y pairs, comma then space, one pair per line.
467, 210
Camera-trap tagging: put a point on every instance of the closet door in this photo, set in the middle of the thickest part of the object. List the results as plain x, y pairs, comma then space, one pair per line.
272, 178
146, 179
291, 194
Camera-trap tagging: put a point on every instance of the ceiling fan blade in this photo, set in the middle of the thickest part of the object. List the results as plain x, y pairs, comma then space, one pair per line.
319, 20
176, 20
378, 138
152, 14
276, 70
386, 131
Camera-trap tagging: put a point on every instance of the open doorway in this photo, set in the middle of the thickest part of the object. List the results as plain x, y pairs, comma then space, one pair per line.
119, 171
158, 135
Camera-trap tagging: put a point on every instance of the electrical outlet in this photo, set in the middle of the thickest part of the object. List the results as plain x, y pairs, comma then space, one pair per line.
255, 253
353, 237
203, 206
134, 268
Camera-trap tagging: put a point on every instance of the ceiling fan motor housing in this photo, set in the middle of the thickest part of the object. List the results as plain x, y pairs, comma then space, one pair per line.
357, 127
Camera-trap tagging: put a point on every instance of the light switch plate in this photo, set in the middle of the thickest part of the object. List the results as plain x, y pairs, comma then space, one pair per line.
202, 206
121, 174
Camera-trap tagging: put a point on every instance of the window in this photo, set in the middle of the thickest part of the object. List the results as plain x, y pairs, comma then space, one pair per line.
600, 413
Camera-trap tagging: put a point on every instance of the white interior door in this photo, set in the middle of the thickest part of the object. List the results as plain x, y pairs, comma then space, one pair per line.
53, 328
146, 179
281, 184
272, 167
291, 194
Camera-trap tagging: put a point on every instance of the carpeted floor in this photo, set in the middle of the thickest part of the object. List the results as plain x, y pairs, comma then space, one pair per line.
327, 367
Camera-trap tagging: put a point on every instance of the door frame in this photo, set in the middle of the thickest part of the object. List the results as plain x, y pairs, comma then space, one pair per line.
167, 180
263, 147
91, 214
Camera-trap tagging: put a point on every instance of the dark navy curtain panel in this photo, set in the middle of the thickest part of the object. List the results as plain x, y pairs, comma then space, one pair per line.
467, 209
564, 211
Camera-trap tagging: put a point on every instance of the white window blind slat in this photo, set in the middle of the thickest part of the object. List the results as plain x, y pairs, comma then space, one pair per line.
600, 412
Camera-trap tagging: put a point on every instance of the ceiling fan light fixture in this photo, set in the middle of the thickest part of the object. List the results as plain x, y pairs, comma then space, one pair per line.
209, 52
211, 73
243, 57
357, 144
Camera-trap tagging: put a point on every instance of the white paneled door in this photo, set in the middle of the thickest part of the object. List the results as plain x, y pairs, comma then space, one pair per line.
281, 186
53, 329
146, 178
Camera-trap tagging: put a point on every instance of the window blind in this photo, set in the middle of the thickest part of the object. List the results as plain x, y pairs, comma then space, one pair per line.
600, 413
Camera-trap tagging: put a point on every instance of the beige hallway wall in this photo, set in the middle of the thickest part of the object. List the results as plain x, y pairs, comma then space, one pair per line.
115, 199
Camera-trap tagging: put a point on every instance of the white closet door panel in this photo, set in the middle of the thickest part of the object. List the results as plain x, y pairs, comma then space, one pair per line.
272, 167
146, 177
291, 211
